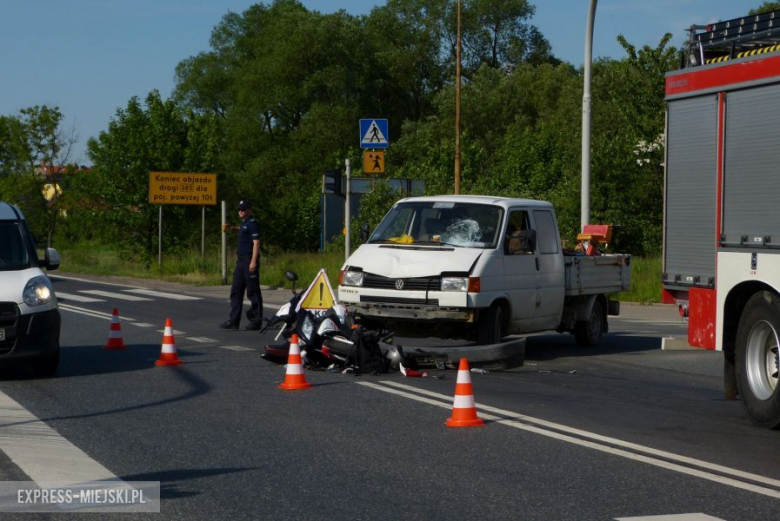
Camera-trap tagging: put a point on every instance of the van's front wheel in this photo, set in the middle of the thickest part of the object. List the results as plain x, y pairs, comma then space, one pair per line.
490, 325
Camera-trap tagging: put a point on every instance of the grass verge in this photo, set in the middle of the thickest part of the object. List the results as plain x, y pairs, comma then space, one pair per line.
191, 268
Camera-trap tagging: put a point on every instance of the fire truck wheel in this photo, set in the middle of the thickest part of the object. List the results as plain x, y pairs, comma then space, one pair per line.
757, 362
589, 332
489, 328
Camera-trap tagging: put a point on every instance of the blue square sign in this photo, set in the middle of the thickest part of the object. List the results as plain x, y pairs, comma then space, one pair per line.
374, 134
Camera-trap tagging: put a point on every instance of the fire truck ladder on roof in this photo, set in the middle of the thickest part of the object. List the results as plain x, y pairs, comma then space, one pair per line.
737, 38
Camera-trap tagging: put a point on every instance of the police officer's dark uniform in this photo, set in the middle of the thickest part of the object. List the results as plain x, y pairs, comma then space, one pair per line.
243, 279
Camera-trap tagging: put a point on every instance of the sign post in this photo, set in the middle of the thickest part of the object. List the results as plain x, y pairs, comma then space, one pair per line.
347, 216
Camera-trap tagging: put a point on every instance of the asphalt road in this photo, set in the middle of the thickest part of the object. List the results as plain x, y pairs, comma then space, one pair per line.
624, 430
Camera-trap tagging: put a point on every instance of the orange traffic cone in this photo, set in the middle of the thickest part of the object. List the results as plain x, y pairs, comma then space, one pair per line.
115, 341
464, 410
168, 354
294, 379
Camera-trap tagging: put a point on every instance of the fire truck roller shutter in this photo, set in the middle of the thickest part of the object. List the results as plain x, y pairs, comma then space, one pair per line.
690, 192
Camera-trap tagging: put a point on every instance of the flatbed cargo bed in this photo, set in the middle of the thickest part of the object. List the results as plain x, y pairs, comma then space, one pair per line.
588, 275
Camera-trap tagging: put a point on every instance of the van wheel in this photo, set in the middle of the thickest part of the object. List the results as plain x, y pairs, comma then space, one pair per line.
46, 366
489, 328
757, 362
589, 332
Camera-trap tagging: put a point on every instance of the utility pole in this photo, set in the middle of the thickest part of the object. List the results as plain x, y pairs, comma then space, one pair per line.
347, 211
457, 108
585, 190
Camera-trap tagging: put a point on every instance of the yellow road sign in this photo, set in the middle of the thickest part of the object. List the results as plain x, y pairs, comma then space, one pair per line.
182, 188
374, 162
319, 295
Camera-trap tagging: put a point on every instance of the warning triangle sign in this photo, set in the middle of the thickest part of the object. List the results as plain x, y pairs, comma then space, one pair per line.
374, 135
319, 295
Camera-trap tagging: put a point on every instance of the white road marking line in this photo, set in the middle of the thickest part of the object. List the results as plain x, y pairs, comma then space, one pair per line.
41, 452
77, 298
152, 293
237, 348
605, 439
58, 276
93, 313
202, 339
512, 422
175, 332
143, 324
672, 517
680, 322
119, 296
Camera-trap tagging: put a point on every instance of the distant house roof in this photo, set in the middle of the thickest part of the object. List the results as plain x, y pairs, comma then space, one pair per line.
45, 170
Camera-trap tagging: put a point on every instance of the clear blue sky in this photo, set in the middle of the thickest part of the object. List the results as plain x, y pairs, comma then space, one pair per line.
89, 57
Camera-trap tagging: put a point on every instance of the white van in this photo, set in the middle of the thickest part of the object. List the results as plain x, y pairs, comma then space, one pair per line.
458, 266
29, 315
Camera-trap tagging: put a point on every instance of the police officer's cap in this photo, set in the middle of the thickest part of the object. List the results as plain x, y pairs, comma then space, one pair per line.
244, 205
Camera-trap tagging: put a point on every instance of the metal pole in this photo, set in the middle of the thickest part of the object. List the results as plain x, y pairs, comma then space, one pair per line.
457, 108
159, 239
347, 209
586, 126
203, 232
224, 244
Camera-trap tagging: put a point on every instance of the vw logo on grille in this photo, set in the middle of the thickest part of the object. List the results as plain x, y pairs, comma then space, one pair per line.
399, 284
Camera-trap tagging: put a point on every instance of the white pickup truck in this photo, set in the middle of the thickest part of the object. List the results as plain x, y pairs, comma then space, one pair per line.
479, 266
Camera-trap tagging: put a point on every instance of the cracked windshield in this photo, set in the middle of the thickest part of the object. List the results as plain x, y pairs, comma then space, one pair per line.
450, 223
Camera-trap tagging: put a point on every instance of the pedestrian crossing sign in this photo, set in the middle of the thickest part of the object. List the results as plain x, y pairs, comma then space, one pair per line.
374, 133
374, 162
319, 295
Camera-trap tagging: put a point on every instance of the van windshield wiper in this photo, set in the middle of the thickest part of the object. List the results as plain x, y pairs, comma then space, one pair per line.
437, 243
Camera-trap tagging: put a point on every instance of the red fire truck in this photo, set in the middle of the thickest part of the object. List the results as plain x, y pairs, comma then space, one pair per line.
722, 203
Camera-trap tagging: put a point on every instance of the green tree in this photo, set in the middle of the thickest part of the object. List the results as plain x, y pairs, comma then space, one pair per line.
14, 148
497, 33
766, 7
142, 138
628, 149
34, 146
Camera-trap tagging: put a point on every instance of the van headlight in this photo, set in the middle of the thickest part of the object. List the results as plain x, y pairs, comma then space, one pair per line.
38, 291
454, 283
353, 278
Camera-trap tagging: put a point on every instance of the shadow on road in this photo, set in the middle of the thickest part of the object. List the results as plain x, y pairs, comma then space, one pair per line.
94, 360
169, 479
550, 347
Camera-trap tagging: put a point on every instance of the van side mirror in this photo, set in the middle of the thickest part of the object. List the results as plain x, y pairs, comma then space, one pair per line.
521, 242
51, 259
365, 232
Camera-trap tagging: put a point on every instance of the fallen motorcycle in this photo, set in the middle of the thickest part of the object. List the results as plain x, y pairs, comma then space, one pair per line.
328, 339
313, 329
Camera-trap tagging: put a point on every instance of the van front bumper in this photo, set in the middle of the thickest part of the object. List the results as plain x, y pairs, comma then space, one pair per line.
411, 312
29, 336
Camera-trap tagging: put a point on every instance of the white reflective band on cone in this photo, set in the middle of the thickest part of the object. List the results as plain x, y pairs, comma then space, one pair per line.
464, 377
464, 402
294, 369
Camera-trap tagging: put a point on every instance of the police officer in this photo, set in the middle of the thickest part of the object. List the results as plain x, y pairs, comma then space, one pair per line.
246, 275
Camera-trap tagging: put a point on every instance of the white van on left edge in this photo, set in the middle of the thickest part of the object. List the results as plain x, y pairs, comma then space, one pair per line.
29, 314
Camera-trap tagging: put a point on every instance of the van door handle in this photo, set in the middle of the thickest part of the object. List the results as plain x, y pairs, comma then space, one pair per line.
537, 263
